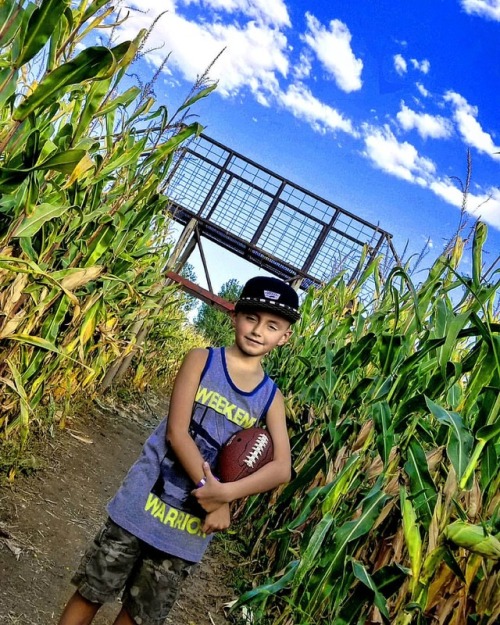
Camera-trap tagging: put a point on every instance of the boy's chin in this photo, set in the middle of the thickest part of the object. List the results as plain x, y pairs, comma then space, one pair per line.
252, 349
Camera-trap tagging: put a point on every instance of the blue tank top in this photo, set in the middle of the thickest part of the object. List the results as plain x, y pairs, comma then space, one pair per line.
154, 501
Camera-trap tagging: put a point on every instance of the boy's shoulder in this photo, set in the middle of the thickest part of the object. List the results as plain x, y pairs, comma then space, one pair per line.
195, 360
200, 351
197, 354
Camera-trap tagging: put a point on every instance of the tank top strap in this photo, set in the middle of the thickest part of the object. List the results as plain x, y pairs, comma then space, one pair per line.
216, 376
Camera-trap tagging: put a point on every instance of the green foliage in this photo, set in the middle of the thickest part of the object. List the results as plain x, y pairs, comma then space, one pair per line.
188, 302
214, 324
393, 514
169, 340
83, 220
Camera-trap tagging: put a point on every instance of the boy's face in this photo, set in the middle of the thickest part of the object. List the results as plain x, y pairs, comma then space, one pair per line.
258, 332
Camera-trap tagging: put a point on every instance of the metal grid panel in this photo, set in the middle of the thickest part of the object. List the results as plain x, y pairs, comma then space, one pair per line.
240, 210
357, 229
336, 254
182, 189
289, 235
209, 150
308, 203
274, 219
254, 175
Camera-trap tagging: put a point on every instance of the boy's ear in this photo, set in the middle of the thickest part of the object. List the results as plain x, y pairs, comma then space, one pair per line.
284, 339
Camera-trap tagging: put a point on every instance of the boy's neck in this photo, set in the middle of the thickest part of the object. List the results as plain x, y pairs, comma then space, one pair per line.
247, 360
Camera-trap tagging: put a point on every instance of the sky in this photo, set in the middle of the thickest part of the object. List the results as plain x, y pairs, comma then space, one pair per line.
373, 105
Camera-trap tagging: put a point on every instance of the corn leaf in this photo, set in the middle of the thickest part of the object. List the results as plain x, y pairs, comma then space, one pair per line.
91, 63
365, 578
203, 93
99, 245
8, 84
270, 589
37, 341
474, 538
124, 99
310, 555
41, 25
11, 16
41, 215
24, 404
422, 487
381, 412
92, 9
460, 439
352, 530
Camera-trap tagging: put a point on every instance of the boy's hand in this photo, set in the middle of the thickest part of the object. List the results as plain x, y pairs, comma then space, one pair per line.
217, 520
210, 496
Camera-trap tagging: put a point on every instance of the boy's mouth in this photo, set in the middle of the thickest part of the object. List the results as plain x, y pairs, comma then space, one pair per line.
253, 341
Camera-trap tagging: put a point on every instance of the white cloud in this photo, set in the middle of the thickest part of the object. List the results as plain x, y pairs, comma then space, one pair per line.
265, 11
490, 9
427, 126
333, 49
484, 206
422, 66
322, 118
423, 91
255, 52
473, 135
399, 159
400, 65
303, 68
403, 161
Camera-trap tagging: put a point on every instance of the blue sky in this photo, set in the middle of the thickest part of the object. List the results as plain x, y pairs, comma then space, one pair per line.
371, 104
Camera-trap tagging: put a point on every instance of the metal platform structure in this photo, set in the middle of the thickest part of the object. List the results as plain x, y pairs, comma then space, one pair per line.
259, 215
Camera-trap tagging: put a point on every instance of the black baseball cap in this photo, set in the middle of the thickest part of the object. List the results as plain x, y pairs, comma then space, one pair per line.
271, 294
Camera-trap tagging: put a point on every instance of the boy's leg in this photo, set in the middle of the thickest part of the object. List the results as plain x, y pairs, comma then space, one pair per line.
102, 573
124, 618
79, 611
153, 587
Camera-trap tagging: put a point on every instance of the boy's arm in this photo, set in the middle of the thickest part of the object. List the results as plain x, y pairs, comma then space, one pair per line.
217, 520
180, 410
274, 473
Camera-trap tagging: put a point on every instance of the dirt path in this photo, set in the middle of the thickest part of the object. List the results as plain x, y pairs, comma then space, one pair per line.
47, 518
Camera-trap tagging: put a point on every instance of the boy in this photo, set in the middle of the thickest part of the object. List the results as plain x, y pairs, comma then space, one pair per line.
164, 514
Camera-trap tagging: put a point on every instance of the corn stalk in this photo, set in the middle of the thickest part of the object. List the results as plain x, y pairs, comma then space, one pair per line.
393, 514
82, 214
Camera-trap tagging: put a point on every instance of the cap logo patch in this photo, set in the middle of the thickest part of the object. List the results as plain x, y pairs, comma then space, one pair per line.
272, 295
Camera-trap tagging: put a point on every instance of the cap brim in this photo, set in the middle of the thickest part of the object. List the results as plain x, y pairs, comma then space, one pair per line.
258, 304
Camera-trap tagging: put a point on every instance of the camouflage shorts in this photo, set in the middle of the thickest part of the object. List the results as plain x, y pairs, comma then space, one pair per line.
117, 561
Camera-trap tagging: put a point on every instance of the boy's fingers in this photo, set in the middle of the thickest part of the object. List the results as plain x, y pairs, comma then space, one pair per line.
206, 469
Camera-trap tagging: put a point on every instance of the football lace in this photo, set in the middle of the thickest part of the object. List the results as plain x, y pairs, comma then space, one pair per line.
259, 446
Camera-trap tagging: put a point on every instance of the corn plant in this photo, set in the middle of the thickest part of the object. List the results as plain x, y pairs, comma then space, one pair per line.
82, 207
393, 513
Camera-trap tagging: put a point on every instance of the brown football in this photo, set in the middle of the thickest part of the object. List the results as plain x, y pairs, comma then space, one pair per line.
244, 453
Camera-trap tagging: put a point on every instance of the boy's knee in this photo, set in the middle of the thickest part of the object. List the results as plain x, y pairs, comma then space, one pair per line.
124, 618
79, 611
